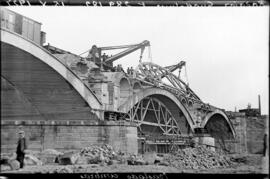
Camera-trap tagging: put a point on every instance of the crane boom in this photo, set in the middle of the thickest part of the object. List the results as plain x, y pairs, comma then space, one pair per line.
131, 49
116, 47
179, 65
172, 68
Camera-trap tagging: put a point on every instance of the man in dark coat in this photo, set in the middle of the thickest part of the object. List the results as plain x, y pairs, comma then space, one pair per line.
21, 147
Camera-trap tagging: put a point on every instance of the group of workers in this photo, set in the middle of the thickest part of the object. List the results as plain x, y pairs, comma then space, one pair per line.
130, 71
118, 68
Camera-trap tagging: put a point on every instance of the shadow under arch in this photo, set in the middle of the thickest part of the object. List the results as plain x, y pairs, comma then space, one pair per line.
137, 87
219, 126
219, 116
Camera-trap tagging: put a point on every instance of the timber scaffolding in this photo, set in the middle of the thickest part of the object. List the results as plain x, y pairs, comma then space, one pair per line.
162, 143
162, 139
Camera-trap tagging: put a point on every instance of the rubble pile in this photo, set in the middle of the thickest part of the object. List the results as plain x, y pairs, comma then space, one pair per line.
62, 170
104, 155
136, 160
31, 160
8, 162
197, 158
48, 156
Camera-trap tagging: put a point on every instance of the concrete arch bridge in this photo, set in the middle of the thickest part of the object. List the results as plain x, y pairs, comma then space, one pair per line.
170, 108
47, 83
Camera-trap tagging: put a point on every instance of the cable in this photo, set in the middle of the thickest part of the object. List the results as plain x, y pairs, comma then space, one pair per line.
149, 54
84, 52
186, 73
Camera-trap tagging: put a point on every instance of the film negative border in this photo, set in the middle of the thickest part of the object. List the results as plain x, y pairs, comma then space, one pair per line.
126, 3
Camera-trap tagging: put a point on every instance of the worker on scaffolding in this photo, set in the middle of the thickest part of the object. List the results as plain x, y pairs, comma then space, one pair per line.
119, 68
104, 57
131, 70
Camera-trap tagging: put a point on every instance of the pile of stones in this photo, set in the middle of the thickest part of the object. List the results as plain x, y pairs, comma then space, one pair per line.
48, 156
100, 155
200, 157
103, 155
136, 160
106, 155
8, 161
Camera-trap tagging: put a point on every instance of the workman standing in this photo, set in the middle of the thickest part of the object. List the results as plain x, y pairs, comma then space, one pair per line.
21, 147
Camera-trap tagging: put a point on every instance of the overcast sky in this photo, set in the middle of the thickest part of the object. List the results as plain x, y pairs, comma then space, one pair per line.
226, 49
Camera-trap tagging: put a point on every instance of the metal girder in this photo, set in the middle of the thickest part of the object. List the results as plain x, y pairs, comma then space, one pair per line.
162, 117
156, 75
179, 66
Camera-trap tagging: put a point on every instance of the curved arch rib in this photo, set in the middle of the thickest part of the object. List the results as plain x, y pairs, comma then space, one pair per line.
135, 98
42, 54
208, 116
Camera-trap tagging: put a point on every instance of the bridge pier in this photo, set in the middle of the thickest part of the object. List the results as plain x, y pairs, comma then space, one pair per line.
205, 140
69, 134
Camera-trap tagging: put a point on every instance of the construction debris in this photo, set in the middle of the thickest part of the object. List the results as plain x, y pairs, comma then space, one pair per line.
68, 158
197, 158
14, 164
63, 170
136, 160
31, 160
48, 156
97, 158
100, 155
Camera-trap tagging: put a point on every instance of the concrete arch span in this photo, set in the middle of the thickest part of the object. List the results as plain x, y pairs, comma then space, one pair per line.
38, 52
177, 109
218, 125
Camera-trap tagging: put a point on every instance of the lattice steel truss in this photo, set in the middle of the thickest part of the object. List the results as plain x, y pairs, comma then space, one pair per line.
161, 117
162, 77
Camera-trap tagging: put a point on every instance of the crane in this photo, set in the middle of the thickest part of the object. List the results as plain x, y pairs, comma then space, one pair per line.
108, 62
179, 65
172, 68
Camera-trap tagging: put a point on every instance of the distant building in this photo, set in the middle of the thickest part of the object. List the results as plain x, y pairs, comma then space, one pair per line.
28, 28
248, 112
251, 112
233, 115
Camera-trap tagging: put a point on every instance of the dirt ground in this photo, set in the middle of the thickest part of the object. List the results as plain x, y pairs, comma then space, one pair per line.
255, 164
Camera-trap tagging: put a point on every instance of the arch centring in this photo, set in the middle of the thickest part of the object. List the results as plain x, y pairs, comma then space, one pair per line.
152, 117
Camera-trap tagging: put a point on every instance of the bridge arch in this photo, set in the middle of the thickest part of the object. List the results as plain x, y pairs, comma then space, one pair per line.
153, 118
137, 86
190, 103
19, 42
218, 125
178, 110
125, 89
